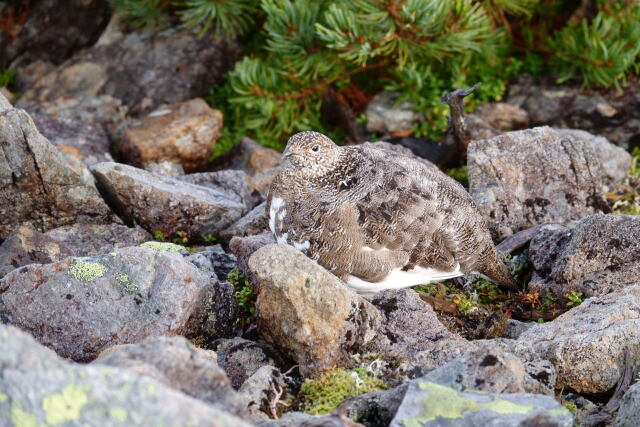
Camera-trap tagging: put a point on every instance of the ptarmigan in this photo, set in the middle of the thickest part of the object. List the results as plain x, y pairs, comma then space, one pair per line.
377, 219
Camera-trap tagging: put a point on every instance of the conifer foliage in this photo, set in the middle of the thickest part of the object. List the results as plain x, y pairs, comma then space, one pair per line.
419, 48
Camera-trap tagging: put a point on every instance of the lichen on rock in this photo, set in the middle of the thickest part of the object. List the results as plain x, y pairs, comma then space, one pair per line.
163, 246
86, 271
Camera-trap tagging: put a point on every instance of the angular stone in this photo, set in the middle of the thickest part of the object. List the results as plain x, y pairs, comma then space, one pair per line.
595, 256
502, 116
244, 247
165, 168
586, 344
384, 116
260, 391
176, 362
183, 133
235, 182
37, 186
27, 246
40, 388
255, 222
241, 358
95, 239
252, 157
167, 204
430, 404
80, 306
528, 177
629, 408
307, 312
214, 259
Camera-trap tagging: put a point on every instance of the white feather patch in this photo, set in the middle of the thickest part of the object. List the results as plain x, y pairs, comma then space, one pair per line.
398, 279
302, 246
276, 204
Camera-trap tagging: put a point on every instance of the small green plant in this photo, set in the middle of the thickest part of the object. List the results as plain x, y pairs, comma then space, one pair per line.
7, 77
160, 236
324, 394
570, 406
180, 238
574, 298
460, 174
245, 297
210, 239
463, 302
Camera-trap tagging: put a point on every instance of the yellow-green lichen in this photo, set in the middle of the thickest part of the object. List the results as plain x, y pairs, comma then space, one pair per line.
21, 418
87, 271
66, 405
163, 246
151, 388
3, 397
323, 395
117, 413
445, 402
125, 283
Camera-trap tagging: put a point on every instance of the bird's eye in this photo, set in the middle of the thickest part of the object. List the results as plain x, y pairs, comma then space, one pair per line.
315, 148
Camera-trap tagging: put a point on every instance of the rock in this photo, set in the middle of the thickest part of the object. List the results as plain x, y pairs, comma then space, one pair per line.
430, 404
241, 358
515, 328
37, 186
178, 364
301, 419
39, 388
244, 247
142, 69
27, 75
233, 182
629, 408
586, 344
491, 370
307, 312
502, 116
5, 105
27, 246
615, 160
384, 116
528, 177
595, 256
375, 409
260, 183
214, 259
412, 334
255, 222
183, 133
95, 239
80, 306
87, 140
167, 204
262, 390
52, 33
251, 157
165, 168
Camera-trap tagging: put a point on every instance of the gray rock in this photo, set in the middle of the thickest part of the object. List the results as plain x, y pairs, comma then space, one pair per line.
307, 312
515, 328
528, 177
301, 419
241, 358
586, 344
234, 182
80, 306
260, 183
26, 246
255, 222
96, 239
166, 168
502, 116
411, 332
143, 69
375, 409
87, 140
244, 247
430, 404
37, 186
167, 204
53, 34
262, 391
252, 157
629, 408
214, 259
39, 388
177, 363
384, 116
595, 256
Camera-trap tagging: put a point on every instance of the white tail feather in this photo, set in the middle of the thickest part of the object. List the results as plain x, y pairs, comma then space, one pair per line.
398, 279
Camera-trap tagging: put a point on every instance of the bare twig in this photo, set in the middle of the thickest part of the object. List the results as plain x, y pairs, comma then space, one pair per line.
521, 238
455, 102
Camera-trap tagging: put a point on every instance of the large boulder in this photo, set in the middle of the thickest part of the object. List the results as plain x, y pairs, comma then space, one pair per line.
80, 306
95, 239
40, 388
587, 343
183, 133
431, 404
167, 204
37, 185
307, 312
594, 256
523, 178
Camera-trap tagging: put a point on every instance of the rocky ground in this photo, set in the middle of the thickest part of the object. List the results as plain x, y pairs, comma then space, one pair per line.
139, 284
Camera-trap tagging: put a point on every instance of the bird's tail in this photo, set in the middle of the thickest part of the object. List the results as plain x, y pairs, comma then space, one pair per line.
497, 272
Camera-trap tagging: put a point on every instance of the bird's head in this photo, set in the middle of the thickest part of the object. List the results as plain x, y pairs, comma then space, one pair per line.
311, 153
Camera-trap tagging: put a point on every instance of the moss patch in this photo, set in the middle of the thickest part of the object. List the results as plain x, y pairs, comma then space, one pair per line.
86, 271
163, 246
323, 395
66, 405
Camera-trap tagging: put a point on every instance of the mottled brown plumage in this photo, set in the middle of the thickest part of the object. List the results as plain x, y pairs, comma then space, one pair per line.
374, 217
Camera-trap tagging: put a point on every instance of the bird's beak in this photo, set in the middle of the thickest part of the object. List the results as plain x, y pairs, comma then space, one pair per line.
286, 153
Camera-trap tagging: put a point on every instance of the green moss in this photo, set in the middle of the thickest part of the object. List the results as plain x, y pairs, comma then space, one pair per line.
445, 402
86, 271
244, 296
323, 395
163, 246
460, 174
118, 414
66, 405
